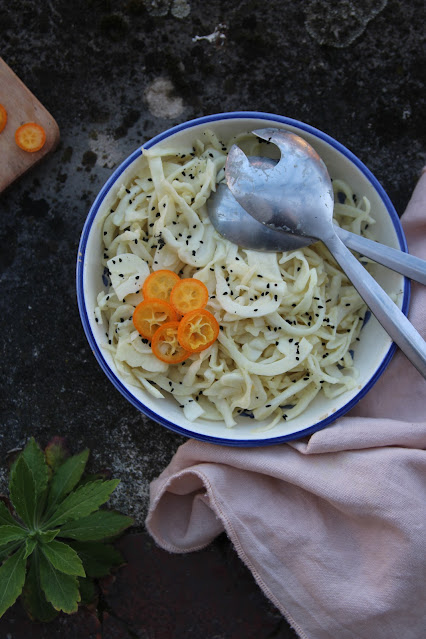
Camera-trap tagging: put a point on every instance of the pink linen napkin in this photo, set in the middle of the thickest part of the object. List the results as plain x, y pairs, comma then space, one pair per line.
333, 527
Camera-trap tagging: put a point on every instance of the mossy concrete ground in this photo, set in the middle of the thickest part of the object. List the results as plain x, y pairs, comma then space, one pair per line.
114, 74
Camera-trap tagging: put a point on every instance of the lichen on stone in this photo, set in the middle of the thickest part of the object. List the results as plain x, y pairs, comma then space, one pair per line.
338, 23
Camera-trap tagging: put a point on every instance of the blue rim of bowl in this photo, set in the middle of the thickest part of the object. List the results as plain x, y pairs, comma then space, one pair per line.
80, 275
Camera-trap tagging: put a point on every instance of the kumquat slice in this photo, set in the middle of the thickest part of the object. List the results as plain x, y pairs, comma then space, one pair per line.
30, 137
197, 330
188, 295
159, 284
3, 117
149, 315
165, 344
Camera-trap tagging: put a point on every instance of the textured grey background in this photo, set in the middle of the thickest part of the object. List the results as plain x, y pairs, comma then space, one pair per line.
114, 74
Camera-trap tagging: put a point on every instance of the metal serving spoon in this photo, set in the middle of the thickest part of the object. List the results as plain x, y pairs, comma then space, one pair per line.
235, 224
296, 196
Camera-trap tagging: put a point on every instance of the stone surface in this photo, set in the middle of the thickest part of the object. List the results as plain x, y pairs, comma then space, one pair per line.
353, 70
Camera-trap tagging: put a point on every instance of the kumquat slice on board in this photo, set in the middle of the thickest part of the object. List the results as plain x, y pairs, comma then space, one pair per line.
149, 315
3, 117
165, 344
159, 284
197, 330
30, 137
188, 295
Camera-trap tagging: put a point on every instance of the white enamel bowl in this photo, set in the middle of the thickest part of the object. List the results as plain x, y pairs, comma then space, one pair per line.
371, 354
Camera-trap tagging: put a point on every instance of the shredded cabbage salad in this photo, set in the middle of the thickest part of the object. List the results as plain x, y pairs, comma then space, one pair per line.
287, 320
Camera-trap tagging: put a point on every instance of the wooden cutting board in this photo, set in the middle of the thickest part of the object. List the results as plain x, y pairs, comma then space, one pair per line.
21, 106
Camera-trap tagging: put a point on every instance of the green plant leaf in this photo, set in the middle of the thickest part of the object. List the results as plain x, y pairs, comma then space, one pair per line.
83, 501
61, 590
6, 551
33, 599
12, 578
66, 478
97, 558
36, 461
56, 453
22, 491
6, 517
98, 525
11, 533
48, 535
30, 544
87, 590
63, 558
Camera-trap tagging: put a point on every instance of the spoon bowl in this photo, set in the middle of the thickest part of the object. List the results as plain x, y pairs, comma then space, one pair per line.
235, 224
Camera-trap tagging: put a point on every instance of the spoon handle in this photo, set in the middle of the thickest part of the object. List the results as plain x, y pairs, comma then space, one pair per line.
408, 265
387, 313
